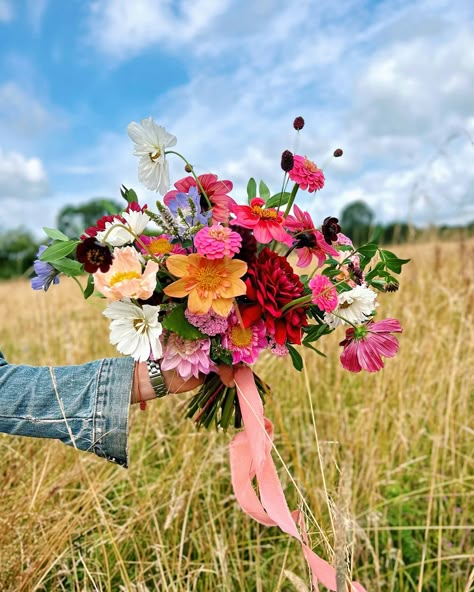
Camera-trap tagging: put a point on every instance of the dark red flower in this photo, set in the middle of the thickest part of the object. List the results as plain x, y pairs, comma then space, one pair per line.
287, 161
298, 123
272, 283
93, 255
248, 250
330, 229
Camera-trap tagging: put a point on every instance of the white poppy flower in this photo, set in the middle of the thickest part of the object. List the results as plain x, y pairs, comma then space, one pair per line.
117, 236
355, 306
135, 330
151, 141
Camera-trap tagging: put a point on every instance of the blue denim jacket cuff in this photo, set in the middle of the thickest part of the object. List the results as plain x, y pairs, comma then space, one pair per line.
114, 388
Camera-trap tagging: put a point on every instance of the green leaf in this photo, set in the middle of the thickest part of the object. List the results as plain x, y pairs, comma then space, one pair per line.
128, 194
89, 287
314, 332
295, 358
391, 261
368, 250
69, 267
263, 191
320, 353
279, 199
251, 189
58, 250
55, 234
176, 322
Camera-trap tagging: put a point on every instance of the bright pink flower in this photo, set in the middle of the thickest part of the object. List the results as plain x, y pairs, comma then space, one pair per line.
217, 241
324, 294
266, 223
188, 358
306, 174
217, 192
309, 241
365, 346
245, 343
159, 246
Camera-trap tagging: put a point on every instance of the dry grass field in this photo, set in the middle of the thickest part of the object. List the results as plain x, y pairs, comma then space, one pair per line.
389, 462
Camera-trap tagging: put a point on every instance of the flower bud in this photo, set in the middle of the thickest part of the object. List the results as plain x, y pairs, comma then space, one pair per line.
298, 123
287, 161
188, 168
338, 152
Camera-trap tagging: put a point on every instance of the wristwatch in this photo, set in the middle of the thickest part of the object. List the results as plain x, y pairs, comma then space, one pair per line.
156, 378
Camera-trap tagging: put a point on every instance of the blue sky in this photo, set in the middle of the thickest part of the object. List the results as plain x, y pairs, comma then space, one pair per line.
391, 82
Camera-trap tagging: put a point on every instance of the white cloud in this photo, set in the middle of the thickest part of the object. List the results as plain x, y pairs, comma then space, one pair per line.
22, 177
6, 11
122, 29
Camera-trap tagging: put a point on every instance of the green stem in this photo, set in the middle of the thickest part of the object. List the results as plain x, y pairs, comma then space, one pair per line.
201, 188
78, 283
297, 302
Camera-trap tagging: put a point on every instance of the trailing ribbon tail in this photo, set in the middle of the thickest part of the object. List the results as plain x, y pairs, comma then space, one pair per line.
250, 456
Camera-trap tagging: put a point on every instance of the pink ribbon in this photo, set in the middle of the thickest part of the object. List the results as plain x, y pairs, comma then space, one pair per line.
250, 456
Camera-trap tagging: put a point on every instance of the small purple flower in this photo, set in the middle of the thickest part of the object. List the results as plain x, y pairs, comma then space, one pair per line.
45, 273
189, 206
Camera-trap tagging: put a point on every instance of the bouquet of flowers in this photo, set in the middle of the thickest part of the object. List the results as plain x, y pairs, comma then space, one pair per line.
204, 284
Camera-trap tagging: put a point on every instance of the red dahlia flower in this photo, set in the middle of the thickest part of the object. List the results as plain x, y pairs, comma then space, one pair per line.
272, 283
216, 190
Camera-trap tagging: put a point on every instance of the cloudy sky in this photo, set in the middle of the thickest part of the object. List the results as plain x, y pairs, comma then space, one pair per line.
391, 82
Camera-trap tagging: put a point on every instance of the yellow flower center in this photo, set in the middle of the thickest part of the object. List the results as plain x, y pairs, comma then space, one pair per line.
155, 155
263, 213
218, 234
310, 165
139, 325
209, 278
122, 276
160, 246
241, 337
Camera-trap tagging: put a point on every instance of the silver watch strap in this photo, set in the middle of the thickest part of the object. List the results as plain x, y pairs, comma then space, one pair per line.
156, 378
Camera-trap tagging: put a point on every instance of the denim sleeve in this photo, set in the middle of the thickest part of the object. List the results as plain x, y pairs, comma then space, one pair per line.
84, 406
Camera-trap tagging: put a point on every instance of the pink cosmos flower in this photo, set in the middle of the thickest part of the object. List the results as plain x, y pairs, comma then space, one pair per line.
217, 241
159, 246
244, 343
188, 358
125, 278
324, 294
266, 223
309, 241
306, 174
216, 190
365, 346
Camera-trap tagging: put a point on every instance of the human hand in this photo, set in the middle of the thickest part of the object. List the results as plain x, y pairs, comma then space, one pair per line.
143, 391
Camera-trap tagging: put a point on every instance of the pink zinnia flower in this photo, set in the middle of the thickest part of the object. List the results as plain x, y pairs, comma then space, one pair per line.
216, 190
217, 241
188, 358
159, 246
266, 223
324, 294
125, 277
365, 346
306, 174
309, 241
244, 343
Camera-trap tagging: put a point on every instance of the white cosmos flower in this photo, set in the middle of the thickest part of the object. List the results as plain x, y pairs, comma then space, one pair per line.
116, 235
355, 306
151, 141
135, 330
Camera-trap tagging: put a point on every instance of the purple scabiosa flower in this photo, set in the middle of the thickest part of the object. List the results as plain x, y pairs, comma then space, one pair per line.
45, 272
186, 208
209, 323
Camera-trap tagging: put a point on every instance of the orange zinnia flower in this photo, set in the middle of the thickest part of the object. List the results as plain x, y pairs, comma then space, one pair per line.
209, 283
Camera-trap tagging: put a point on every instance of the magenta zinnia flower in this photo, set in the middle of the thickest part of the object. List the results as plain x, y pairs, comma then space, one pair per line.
217, 241
216, 190
324, 294
245, 343
309, 241
188, 358
266, 223
365, 346
306, 174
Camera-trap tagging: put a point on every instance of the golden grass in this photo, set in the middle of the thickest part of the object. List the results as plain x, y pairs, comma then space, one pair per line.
395, 451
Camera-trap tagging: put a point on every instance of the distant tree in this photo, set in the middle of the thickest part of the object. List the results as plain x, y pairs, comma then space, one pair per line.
73, 220
396, 232
17, 252
356, 221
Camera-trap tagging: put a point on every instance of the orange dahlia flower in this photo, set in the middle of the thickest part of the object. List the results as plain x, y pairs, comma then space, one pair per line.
208, 283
